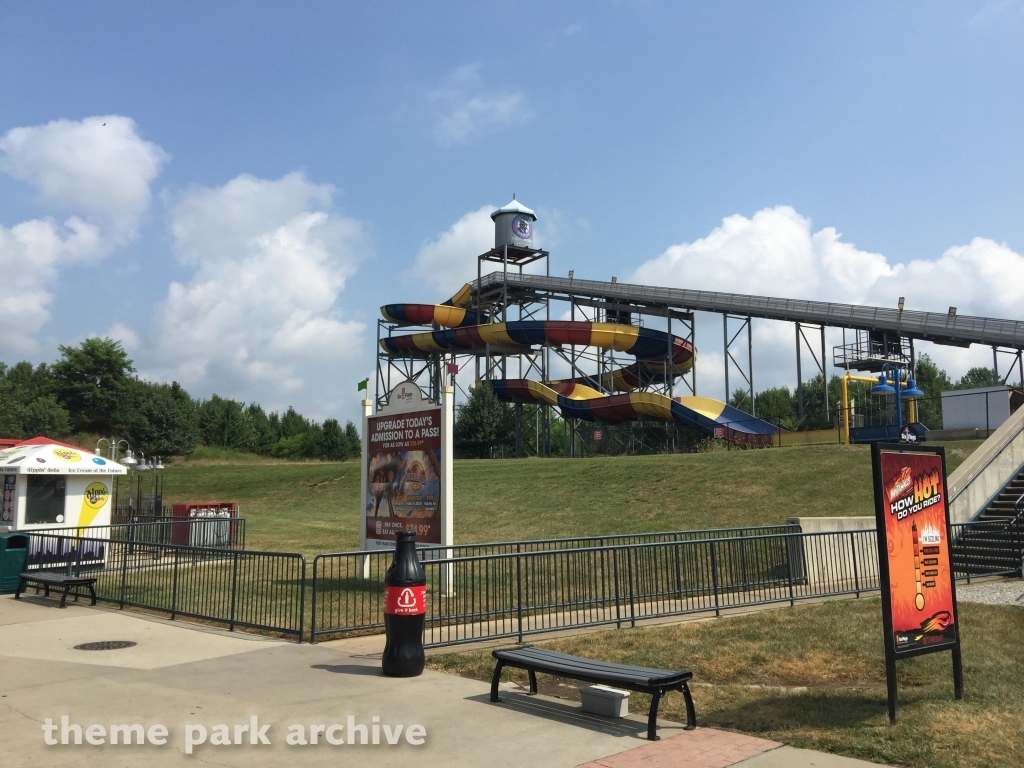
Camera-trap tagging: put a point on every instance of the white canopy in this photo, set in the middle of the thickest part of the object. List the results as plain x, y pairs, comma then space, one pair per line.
55, 459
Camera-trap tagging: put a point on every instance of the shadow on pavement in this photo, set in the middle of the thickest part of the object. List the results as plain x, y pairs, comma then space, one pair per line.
573, 715
350, 669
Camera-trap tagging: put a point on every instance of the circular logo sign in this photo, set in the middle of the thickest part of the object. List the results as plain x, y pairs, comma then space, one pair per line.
522, 226
95, 495
67, 454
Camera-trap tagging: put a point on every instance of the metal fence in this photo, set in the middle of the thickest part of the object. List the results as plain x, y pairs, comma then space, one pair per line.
237, 588
348, 587
514, 593
213, 532
505, 589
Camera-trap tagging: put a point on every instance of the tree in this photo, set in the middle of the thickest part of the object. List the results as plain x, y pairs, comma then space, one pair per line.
482, 424
45, 416
88, 380
266, 430
777, 405
159, 419
933, 381
355, 442
30, 383
978, 377
10, 409
741, 399
223, 422
292, 423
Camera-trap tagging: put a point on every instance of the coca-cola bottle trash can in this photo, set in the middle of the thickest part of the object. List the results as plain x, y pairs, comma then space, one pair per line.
405, 603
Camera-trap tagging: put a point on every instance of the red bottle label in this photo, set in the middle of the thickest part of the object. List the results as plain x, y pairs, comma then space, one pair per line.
405, 601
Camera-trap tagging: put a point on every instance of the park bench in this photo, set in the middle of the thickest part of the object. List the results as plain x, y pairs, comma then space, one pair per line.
46, 580
656, 682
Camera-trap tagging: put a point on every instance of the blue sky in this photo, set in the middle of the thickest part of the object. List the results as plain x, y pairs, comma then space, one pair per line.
274, 172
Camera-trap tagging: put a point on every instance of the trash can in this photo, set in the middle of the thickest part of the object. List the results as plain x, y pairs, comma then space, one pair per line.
13, 559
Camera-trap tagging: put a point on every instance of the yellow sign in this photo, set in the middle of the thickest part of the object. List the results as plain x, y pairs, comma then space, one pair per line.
93, 500
67, 454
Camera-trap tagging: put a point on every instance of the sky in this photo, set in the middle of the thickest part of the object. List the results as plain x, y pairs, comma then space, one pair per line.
233, 189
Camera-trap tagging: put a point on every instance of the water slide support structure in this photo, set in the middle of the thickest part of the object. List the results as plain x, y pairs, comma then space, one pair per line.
881, 334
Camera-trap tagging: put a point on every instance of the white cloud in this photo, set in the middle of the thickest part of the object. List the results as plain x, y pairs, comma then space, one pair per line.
120, 332
31, 253
775, 252
464, 108
97, 167
100, 170
445, 263
271, 259
772, 253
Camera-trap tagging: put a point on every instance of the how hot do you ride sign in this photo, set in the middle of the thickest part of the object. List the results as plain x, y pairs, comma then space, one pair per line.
918, 586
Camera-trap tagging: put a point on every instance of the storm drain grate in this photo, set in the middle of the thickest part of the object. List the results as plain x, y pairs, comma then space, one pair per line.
105, 645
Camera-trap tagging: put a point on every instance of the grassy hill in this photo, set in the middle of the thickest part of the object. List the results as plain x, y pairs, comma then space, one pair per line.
314, 507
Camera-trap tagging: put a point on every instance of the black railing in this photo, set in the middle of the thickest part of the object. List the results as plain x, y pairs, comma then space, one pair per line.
513, 594
990, 547
237, 588
348, 587
504, 589
209, 532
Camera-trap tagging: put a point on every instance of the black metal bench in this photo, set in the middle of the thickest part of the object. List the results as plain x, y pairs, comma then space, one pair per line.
656, 682
60, 581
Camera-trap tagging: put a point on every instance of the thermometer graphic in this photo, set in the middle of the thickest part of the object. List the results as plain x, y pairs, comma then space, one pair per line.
919, 599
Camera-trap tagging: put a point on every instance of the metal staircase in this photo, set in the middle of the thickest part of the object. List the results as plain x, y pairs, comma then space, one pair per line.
993, 543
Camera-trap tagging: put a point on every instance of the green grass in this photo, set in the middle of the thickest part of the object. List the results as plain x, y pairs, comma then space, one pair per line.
313, 507
814, 677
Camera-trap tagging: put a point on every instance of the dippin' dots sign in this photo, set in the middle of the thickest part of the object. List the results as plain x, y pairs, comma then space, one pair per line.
374, 733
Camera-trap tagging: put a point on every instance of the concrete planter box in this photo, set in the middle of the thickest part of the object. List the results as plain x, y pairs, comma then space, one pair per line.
602, 700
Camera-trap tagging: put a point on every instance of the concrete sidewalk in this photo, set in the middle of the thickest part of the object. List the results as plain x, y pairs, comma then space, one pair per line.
180, 675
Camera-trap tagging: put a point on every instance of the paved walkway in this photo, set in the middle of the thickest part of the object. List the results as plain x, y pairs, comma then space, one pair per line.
183, 676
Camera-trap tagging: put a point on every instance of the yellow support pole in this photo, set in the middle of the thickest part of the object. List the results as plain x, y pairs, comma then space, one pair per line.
846, 401
845, 413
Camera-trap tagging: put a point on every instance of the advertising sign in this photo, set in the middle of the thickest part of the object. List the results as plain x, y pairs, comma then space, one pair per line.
404, 470
917, 581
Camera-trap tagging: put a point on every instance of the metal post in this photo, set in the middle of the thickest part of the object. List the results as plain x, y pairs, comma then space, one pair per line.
629, 565
174, 587
234, 590
789, 568
124, 573
519, 430
995, 360
799, 379
302, 599
824, 375
618, 601
750, 365
725, 353
519, 592
853, 549
714, 576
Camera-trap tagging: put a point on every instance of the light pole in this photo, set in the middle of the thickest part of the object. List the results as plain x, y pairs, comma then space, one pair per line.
128, 461
895, 373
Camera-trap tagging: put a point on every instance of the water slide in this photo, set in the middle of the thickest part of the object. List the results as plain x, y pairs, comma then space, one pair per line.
657, 353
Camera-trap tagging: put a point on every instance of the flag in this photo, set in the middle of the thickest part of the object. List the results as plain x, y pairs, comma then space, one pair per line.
362, 385
453, 368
